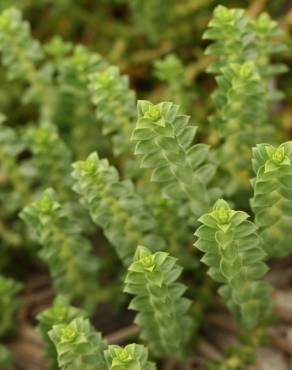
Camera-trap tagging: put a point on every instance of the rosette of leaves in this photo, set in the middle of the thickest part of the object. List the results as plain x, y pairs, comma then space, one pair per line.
164, 140
131, 357
68, 254
9, 303
115, 206
162, 309
273, 196
78, 346
233, 251
60, 313
115, 106
5, 358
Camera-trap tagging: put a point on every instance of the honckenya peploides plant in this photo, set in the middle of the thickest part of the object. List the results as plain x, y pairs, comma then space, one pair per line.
148, 214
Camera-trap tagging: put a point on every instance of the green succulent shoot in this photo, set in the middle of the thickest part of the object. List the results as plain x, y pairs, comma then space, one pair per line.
78, 346
272, 196
233, 252
164, 142
163, 311
66, 251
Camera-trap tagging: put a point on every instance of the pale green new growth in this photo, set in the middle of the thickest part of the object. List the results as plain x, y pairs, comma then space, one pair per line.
272, 200
162, 311
64, 249
78, 346
116, 207
131, 357
233, 251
